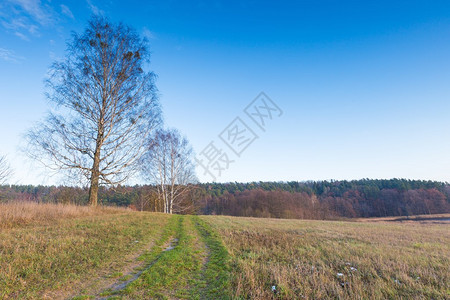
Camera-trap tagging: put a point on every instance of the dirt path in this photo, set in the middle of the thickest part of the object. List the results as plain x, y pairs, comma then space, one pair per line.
215, 270
133, 272
108, 278
178, 265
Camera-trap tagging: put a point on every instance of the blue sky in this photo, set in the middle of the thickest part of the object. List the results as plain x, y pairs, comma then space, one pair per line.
364, 87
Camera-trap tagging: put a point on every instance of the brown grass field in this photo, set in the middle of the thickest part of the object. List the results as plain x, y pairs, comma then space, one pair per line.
60, 251
51, 251
301, 259
15, 214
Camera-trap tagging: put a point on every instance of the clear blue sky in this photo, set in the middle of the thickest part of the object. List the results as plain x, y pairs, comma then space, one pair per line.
364, 87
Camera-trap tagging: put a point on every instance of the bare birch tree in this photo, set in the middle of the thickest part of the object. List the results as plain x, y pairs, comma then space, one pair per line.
168, 164
5, 170
105, 107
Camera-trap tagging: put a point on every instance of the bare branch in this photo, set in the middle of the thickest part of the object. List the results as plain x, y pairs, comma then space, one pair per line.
106, 107
168, 164
5, 170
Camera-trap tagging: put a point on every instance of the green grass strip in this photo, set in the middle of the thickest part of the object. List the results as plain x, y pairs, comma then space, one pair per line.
217, 269
169, 231
173, 272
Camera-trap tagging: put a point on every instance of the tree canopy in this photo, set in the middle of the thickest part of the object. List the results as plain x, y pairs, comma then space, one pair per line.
106, 107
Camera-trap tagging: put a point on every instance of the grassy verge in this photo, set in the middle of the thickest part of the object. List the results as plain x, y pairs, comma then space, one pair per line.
51, 259
292, 259
216, 274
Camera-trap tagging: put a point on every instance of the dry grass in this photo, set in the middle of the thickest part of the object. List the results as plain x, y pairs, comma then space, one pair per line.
336, 260
63, 247
48, 251
15, 214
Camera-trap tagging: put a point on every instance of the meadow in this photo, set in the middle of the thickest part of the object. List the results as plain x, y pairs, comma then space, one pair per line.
301, 259
71, 252
49, 251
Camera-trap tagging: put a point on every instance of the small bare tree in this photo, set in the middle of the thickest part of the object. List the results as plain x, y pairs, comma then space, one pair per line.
107, 107
5, 170
168, 164
147, 199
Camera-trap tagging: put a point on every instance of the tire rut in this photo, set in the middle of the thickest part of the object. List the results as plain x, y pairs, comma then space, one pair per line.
135, 274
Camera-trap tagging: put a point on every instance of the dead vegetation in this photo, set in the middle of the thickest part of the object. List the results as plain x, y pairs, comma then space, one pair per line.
14, 214
296, 259
63, 249
51, 250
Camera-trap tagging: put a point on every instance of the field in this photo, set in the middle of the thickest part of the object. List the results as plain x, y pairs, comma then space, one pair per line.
70, 252
329, 259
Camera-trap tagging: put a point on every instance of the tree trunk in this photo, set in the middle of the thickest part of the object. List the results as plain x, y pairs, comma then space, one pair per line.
171, 199
95, 175
93, 191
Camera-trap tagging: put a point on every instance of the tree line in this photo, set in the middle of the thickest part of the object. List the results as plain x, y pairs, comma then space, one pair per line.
327, 199
300, 200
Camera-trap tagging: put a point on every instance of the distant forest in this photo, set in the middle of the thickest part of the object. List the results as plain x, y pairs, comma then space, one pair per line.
302, 200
